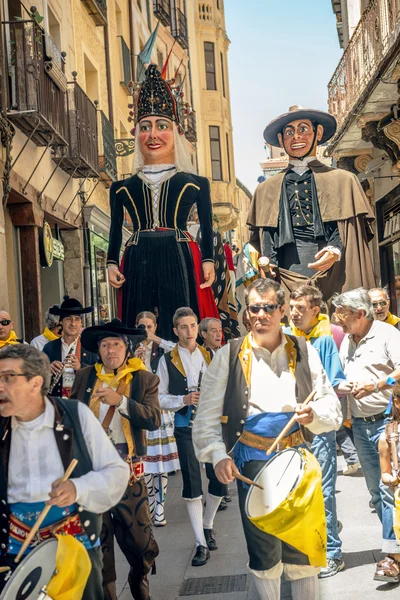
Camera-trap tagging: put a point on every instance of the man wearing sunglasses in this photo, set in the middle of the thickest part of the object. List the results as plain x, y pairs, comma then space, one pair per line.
250, 391
381, 304
7, 333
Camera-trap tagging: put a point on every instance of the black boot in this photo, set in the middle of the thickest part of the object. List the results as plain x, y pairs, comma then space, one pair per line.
201, 557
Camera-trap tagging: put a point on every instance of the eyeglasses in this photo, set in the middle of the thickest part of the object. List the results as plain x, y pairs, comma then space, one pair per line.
5, 322
254, 309
6, 378
341, 316
382, 303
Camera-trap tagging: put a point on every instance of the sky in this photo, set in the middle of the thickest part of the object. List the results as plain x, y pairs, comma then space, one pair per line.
282, 52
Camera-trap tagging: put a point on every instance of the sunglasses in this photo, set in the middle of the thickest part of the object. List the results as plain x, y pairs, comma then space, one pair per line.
382, 303
5, 322
254, 309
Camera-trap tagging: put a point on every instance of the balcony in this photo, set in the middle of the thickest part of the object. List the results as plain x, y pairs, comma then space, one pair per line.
97, 10
37, 84
81, 158
190, 127
162, 10
373, 45
107, 154
126, 65
179, 29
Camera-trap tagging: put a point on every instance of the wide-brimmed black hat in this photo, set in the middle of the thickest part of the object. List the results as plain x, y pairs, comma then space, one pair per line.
70, 306
296, 113
92, 335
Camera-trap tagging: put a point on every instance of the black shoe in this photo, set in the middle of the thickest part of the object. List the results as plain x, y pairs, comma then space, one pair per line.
139, 588
209, 534
227, 498
201, 557
222, 505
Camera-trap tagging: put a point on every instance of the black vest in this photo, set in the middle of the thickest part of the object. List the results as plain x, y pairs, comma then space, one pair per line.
177, 385
71, 444
236, 402
156, 354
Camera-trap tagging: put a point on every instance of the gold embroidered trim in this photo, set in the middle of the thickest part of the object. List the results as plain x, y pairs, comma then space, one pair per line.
180, 198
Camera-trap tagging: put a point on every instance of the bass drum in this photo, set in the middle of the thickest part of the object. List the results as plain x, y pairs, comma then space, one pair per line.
31, 577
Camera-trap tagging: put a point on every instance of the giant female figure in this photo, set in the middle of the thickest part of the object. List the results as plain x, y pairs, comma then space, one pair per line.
162, 268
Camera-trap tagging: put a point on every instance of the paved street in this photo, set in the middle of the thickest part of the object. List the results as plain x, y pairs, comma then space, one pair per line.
176, 579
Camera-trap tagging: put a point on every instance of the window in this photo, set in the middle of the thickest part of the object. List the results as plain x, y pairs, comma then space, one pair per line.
215, 145
228, 154
139, 3
209, 57
160, 59
218, 5
91, 80
223, 75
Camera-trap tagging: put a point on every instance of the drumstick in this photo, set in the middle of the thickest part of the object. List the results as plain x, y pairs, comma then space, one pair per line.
4, 569
44, 513
247, 480
289, 425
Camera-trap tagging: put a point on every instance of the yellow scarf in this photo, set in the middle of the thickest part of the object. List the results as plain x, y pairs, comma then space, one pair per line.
112, 381
323, 327
49, 335
392, 319
12, 339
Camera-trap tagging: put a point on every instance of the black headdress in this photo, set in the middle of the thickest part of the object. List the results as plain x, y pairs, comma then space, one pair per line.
70, 306
91, 336
156, 98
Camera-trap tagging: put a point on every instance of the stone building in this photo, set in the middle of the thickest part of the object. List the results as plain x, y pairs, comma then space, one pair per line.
364, 96
65, 70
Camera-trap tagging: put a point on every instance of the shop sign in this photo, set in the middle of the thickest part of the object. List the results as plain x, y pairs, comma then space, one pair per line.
50, 248
58, 250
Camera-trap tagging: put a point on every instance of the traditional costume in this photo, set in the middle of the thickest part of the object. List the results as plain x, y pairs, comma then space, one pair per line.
310, 207
36, 453
179, 371
129, 520
237, 416
162, 264
58, 349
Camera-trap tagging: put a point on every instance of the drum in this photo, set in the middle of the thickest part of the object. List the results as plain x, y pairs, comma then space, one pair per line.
33, 574
278, 477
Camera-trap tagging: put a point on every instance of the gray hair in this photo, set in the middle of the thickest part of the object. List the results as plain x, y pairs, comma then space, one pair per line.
262, 286
51, 320
34, 362
204, 323
385, 290
354, 300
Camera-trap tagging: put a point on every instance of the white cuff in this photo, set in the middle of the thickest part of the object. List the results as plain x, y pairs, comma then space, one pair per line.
81, 491
124, 404
335, 251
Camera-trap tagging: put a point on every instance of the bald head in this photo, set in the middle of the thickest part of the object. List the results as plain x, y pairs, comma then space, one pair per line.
5, 330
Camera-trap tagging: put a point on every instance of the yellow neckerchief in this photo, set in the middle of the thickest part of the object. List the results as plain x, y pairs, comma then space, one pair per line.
323, 327
246, 355
49, 335
177, 361
123, 379
392, 319
12, 339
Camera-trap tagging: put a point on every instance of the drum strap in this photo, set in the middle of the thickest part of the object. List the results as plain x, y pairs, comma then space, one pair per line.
264, 443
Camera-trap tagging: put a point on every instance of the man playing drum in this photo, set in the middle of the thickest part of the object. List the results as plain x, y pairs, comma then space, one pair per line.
251, 390
39, 436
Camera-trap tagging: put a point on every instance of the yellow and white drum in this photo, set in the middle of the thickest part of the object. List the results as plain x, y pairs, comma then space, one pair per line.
291, 505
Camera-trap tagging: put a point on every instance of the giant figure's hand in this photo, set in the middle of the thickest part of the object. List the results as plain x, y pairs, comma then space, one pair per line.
209, 275
115, 277
325, 260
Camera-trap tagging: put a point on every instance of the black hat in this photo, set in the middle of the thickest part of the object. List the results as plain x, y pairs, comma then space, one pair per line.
155, 97
296, 113
91, 336
70, 306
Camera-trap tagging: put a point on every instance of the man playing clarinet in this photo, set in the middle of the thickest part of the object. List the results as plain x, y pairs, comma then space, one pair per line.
180, 372
252, 389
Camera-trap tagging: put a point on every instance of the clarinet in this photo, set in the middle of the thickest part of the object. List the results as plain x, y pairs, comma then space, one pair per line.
194, 411
56, 378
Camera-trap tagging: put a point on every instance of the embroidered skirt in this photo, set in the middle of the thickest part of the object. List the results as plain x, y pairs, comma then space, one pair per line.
162, 452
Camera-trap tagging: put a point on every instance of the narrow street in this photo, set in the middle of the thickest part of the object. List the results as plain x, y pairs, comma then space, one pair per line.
225, 576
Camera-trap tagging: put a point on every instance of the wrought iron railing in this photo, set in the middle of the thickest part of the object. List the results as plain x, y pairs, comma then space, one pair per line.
179, 28
162, 10
97, 10
375, 36
126, 64
81, 159
190, 127
37, 84
107, 154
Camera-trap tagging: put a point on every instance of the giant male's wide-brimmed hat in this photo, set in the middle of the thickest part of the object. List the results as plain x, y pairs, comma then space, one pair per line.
70, 306
297, 113
91, 336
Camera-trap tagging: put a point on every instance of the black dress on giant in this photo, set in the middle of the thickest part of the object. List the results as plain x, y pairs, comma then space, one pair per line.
159, 263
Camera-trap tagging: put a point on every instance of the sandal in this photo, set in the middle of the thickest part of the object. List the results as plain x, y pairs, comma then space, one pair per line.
387, 569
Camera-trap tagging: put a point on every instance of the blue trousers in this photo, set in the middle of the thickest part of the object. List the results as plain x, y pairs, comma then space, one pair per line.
324, 449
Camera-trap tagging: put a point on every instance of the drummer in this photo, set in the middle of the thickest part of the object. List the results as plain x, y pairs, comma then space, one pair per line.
39, 436
236, 412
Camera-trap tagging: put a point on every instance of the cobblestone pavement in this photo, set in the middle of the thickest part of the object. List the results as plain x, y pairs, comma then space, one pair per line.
176, 579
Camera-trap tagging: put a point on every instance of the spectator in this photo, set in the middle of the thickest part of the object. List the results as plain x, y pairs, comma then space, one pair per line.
381, 304
7, 333
51, 332
210, 330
